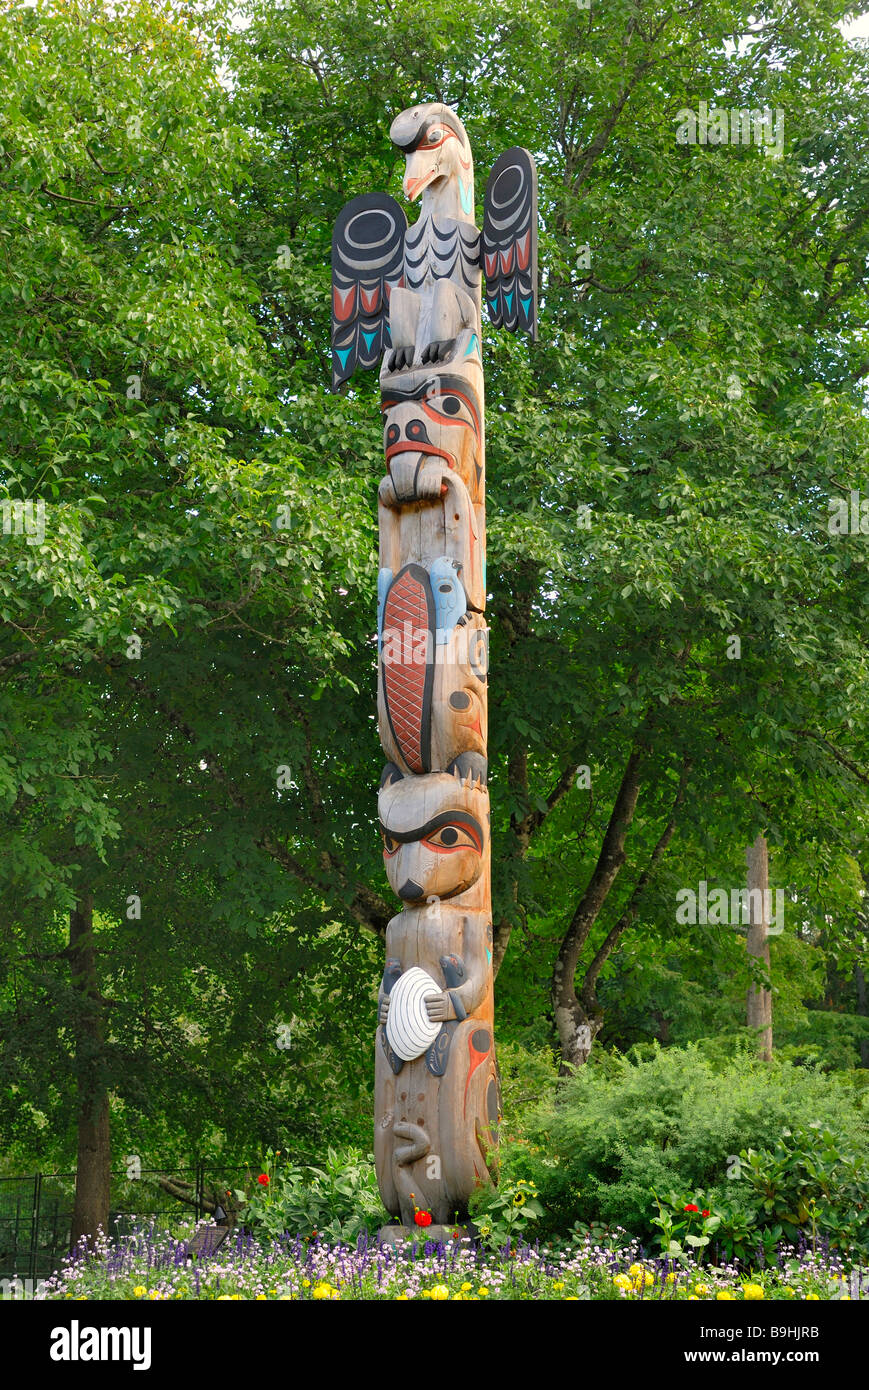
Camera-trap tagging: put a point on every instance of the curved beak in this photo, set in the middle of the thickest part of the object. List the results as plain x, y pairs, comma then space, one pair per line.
421, 168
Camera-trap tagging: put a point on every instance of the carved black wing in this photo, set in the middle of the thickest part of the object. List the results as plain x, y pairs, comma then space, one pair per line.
509, 247
367, 261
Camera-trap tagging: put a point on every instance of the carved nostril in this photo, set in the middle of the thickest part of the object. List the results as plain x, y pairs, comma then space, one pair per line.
410, 890
416, 431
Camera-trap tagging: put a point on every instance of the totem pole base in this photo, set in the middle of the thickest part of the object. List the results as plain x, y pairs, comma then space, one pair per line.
436, 1235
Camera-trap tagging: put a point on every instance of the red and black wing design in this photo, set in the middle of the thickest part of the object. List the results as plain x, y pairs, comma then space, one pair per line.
367, 261
509, 244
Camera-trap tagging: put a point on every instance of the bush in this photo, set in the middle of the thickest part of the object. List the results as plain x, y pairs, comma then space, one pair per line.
335, 1201
673, 1120
807, 1187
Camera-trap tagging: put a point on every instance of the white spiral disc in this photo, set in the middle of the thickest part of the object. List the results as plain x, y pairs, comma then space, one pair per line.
409, 1029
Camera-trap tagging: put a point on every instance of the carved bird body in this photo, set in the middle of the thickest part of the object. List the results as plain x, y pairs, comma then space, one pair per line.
441, 292
416, 292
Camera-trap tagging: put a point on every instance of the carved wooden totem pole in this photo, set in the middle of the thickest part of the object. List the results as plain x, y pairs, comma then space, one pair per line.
409, 298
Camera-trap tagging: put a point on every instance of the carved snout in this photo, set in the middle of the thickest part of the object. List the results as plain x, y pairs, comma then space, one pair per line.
409, 480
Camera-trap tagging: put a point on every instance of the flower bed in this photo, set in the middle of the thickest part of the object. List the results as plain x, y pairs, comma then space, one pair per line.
154, 1266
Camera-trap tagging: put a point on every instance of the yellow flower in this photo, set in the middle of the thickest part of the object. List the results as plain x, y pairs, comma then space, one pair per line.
725, 1296
570, 1298
482, 1291
518, 1199
306, 1283
261, 1297
224, 1298
812, 1298
559, 1285
634, 1270
622, 1281
671, 1277
139, 1291
692, 1298
752, 1291
401, 1298
439, 1293
701, 1290
322, 1291
466, 1287
458, 1298
425, 1293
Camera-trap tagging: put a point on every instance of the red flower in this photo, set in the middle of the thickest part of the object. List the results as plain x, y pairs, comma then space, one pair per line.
690, 1207
423, 1218
264, 1181
705, 1213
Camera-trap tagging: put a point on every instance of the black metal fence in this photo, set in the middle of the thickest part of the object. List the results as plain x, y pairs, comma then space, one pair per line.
36, 1211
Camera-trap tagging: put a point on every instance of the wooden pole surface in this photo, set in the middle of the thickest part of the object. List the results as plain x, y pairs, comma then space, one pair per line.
410, 298
759, 1001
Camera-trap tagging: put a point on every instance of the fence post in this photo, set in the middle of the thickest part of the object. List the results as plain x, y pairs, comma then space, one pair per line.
34, 1229
200, 1189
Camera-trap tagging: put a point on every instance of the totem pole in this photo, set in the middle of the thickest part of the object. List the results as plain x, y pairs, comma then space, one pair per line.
411, 296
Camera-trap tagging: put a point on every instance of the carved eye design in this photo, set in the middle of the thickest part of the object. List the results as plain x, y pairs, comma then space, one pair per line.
435, 135
390, 845
451, 408
452, 837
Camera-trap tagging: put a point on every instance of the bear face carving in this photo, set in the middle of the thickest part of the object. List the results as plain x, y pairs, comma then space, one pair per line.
434, 421
435, 833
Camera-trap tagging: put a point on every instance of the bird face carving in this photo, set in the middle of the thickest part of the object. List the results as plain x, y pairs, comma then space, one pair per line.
435, 834
434, 419
434, 144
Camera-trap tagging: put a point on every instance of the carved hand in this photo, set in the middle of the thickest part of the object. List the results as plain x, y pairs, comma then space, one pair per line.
384, 1009
439, 1007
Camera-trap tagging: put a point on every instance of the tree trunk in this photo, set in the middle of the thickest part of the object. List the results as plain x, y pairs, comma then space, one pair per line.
860, 988
759, 1002
93, 1168
577, 1024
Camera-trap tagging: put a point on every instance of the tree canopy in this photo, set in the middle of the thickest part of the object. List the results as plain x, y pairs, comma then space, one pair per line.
187, 673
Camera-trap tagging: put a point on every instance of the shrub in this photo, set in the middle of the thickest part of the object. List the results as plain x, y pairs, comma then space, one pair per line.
672, 1120
335, 1201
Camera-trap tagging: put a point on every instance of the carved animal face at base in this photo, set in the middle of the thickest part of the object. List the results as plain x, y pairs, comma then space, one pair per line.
435, 832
